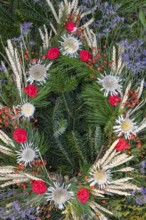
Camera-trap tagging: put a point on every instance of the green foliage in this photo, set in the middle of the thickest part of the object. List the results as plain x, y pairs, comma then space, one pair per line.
9, 93
15, 12
123, 211
60, 126
142, 17
98, 111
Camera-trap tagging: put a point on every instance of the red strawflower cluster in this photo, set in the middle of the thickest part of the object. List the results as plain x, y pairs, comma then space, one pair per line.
30, 56
8, 116
122, 145
31, 90
20, 135
85, 55
53, 53
38, 186
83, 195
74, 17
71, 27
37, 165
114, 100
135, 137
132, 99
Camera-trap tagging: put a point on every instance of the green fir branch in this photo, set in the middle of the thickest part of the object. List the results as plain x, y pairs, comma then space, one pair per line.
78, 146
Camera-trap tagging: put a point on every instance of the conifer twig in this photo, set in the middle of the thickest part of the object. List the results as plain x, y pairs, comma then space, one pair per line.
66, 105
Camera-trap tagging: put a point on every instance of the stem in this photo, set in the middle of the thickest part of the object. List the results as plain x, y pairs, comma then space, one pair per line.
101, 150
53, 11
44, 165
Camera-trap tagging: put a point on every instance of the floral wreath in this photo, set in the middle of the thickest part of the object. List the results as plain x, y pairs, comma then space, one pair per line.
86, 190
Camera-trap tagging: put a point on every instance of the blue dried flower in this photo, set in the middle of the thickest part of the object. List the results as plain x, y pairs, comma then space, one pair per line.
139, 202
19, 39
134, 55
143, 164
140, 197
2, 68
16, 206
143, 167
25, 27
109, 17
16, 212
143, 191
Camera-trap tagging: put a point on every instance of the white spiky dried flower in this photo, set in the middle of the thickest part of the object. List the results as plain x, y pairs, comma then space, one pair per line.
38, 72
26, 110
70, 45
126, 125
110, 84
27, 153
102, 173
59, 194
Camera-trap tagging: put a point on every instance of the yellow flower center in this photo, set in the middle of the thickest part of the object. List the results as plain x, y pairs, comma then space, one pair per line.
71, 45
60, 195
37, 72
100, 176
127, 125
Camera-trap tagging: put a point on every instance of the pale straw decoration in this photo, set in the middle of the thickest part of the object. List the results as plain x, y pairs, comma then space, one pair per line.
6, 139
6, 150
14, 60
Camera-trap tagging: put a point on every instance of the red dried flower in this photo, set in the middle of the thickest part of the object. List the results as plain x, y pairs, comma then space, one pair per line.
122, 145
53, 53
31, 90
83, 195
85, 55
38, 187
114, 100
20, 135
71, 27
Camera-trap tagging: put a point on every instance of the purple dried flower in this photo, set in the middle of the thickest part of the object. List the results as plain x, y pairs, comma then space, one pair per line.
25, 27
18, 39
23, 215
134, 55
140, 197
143, 164
16, 206
2, 68
109, 17
15, 211
143, 191
139, 202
